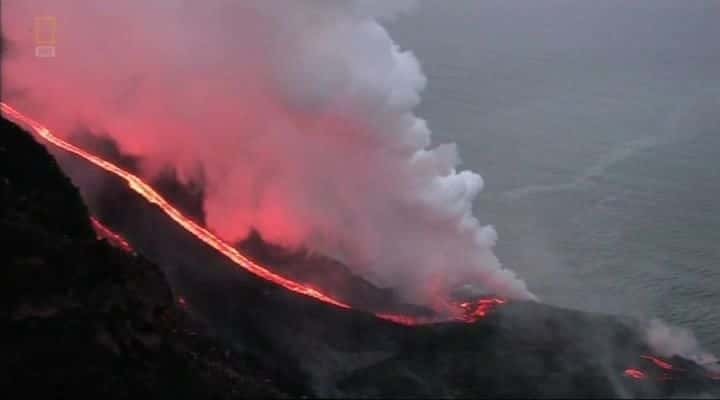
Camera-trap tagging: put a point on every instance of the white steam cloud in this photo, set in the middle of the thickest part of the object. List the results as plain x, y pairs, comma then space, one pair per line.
669, 341
299, 112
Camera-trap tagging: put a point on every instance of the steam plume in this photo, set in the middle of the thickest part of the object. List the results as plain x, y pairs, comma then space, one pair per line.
669, 341
298, 112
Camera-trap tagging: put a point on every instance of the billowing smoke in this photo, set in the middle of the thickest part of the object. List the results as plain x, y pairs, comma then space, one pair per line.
299, 113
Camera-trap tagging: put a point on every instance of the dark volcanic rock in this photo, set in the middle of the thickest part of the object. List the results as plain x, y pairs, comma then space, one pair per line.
84, 317
80, 317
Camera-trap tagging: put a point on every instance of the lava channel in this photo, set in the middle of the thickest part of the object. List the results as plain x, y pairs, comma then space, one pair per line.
467, 313
103, 232
635, 373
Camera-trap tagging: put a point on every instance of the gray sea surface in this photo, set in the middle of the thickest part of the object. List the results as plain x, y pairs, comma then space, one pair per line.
596, 126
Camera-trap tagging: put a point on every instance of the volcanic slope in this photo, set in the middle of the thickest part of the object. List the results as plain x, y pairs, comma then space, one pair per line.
81, 317
519, 349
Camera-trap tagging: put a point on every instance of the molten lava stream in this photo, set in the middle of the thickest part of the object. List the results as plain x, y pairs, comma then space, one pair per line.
144, 190
103, 232
660, 363
148, 193
635, 373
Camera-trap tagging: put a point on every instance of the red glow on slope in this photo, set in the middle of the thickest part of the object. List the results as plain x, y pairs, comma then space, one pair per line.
667, 372
468, 313
103, 232
402, 319
479, 308
659, 362
635, 373
144, 190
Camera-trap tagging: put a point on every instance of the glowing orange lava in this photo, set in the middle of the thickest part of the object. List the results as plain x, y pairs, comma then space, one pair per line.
144, 190
635, 373
479, 308
668, 371
103, 232
469, 313
659, 362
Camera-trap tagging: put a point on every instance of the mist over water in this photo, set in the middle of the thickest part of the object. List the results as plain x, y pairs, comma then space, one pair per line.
596, 125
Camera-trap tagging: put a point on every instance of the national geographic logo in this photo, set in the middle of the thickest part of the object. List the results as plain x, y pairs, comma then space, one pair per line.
45, 30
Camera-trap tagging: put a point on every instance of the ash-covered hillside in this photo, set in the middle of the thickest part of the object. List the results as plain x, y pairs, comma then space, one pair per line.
86, 318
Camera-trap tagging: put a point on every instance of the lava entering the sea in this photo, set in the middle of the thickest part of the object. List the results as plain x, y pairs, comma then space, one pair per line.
663, 370
465, 312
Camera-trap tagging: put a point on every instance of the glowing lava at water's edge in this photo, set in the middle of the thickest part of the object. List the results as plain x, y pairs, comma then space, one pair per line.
466, 312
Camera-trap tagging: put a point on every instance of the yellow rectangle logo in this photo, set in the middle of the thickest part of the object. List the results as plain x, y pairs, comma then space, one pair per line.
45, 31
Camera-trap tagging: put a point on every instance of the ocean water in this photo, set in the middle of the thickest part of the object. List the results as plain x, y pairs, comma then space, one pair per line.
596, 126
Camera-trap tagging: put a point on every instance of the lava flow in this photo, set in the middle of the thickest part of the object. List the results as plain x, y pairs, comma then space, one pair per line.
635, 373
660, 363
103, 232
479, 308
667, 371
466, 312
